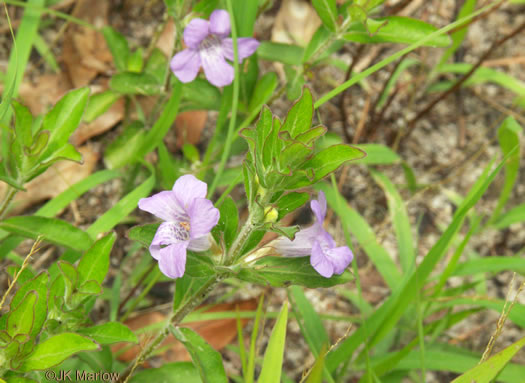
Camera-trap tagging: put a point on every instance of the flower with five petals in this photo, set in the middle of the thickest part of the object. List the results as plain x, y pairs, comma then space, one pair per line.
189, 218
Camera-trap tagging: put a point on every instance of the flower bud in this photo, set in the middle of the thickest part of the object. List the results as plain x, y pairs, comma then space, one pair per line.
270, 214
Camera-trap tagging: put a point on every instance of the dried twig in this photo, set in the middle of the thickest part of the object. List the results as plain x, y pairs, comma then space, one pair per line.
461, 81
501, 321
34, 249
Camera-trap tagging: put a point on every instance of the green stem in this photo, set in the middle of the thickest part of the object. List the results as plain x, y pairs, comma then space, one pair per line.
174, 320
235, 102
10, 194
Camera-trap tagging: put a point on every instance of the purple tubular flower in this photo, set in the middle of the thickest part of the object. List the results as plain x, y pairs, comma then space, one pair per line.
325, 257
208, 46
189, 218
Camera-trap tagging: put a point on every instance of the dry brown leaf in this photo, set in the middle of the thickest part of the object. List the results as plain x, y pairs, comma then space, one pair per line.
58, 178
295, 23
218, 333
40, 96
101, 124
166, 40
85, 52
189, 126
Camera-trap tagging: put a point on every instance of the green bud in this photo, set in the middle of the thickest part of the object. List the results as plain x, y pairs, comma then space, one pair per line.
270, 214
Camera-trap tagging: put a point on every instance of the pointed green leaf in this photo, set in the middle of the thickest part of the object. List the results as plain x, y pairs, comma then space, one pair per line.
284, 271
273, 357
52, 229
207, 360
118, 46
395, 29
299, 118
39, 285
20, 319
184, 371
94, 265
108, 333
229, 221
327, 11
63, 119
54, 350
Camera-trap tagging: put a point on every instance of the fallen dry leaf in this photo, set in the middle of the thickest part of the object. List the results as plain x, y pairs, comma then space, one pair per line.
166, 40
45, 92
85, 52
58, 178
218, 333
295, 23
101, 124
189, 126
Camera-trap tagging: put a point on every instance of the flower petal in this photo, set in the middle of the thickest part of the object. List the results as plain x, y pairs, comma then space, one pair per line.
172, 261
163, 237
246, 46
200, 244
320, 262
220, 23
195, 32
165, 206
301, 245
203, 217
185, 65
319, 207
216, 69
187, 188
340, 258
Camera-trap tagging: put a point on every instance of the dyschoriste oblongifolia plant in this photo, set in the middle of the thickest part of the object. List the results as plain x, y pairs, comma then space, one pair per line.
198, 244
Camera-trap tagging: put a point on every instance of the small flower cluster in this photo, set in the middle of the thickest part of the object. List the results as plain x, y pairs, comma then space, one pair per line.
189, 218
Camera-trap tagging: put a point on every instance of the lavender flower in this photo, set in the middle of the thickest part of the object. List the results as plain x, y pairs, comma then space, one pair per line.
208, 46
189, 219
325, 257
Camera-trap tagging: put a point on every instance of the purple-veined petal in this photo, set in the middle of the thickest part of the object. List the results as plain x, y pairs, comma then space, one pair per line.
246, 46
185, 65
165, 206
200, 244
172, 261
301, 245
195, 32
320, 262
319, 207
203, 217
340, 258
220, 23
167, 234
216, 69
187, 188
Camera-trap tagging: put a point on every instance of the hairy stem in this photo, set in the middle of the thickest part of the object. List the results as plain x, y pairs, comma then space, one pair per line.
174, 320
9, 195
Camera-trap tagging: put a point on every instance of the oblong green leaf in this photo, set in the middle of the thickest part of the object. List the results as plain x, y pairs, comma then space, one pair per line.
63, 119
488, 370
184, 371
395, 29
273, 357
94, 265
54, 350
327, 11
207, 360
284, 271
135, 83
108, 333
52, 229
